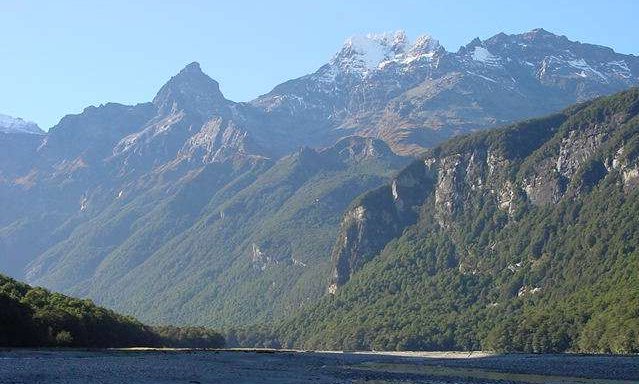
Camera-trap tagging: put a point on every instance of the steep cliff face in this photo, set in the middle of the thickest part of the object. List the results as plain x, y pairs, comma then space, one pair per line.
534, 163
375, 218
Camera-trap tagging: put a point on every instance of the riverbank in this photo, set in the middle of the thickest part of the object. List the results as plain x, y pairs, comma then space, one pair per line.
166, 366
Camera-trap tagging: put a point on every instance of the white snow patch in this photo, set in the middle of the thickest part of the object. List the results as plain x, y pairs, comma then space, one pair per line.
621, 64
515, 267
367, 53
372, 49
620, 68
394, 190
482, 55
482, 76
524, 290
10, 124
582, 65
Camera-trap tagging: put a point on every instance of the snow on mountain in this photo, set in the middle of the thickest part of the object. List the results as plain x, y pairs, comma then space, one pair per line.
584, 69
551, 55
482, 55
10, 124
364, 54
414, 93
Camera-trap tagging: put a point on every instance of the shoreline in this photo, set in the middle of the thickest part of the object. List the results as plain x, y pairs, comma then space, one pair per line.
411, 354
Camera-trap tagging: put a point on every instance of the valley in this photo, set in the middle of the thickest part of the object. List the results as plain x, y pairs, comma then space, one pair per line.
400, 197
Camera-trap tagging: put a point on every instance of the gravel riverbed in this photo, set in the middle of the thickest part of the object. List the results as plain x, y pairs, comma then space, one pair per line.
193, 367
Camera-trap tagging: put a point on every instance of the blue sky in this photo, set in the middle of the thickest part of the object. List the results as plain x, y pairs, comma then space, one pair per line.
57, 57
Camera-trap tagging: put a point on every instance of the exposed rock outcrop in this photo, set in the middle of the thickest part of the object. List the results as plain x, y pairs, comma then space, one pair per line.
537, 163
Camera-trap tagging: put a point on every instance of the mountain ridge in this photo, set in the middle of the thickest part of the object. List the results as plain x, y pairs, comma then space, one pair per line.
408, 102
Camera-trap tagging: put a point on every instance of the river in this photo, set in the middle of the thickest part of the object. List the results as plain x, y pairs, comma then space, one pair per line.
193, 367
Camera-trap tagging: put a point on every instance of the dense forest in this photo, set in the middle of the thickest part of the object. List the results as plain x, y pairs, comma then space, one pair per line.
553, 268
35, 317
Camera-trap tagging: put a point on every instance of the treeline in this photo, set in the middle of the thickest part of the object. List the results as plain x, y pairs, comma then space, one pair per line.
256, 336
187, 337
35, 317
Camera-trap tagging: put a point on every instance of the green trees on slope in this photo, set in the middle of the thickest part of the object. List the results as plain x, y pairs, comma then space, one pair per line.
35, 317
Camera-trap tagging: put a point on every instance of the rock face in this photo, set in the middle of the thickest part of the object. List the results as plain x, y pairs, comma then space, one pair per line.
376, 218
535, 163
198, 200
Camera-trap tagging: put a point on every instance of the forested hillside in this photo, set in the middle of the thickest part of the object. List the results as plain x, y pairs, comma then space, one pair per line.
35, 317
518, 239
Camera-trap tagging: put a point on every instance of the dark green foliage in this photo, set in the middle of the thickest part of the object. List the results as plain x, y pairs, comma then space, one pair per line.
35, 317
543, 278
188, 337
256, 336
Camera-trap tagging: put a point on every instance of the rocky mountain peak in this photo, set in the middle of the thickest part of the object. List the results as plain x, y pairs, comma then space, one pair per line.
539, 34
358, 148
425, 43
192, 90
192, 68
389, 42
537, 40
364, 54
10, 124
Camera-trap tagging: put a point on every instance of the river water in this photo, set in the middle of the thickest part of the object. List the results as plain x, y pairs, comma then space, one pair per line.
193, 367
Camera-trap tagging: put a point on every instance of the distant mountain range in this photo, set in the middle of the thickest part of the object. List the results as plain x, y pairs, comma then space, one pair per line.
416, 94
196, 209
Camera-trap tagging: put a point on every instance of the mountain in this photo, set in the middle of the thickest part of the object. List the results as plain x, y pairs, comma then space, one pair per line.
416, 94
18, 140
196, 209
117, 191
10, 124
517, 239
268, 226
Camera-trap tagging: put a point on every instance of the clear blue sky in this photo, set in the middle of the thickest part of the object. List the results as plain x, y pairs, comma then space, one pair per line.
56, 57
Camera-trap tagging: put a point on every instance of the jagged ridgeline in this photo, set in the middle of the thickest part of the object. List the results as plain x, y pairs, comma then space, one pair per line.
35, 317
518, 239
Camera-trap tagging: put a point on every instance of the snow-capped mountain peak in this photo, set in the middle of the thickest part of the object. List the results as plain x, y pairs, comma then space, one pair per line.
425, 44
10, 124
363, 54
